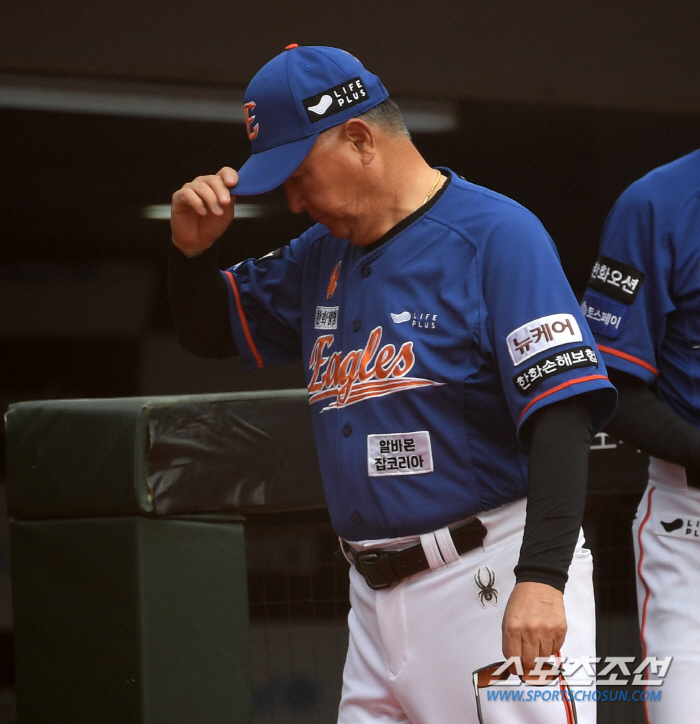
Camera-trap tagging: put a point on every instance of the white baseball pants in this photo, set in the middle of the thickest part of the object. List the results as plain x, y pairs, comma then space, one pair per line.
667, 549
413, 647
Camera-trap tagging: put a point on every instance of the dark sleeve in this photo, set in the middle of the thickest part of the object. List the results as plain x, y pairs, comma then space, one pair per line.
199, 304
560, 438
644, 420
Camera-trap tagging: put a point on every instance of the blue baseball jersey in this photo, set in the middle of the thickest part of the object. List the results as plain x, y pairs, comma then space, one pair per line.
424, 356
643, 296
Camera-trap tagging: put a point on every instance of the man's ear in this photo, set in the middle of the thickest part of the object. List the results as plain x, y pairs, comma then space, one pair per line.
363, 138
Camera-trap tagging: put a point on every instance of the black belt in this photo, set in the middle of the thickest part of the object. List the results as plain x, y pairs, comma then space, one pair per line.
384, 568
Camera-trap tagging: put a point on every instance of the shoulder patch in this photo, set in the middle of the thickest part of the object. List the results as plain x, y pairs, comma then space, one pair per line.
604, 316
555, 364
616, 279
542, 334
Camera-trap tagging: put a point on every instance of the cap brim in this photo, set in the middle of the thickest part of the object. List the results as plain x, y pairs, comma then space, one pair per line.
266, 170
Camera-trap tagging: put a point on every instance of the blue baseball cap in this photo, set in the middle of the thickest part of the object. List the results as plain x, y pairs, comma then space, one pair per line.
298, 94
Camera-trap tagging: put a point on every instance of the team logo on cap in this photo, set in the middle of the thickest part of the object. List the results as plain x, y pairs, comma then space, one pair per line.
249, 120
335, 99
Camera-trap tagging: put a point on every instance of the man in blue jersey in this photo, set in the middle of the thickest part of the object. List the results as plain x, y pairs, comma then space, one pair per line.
452, 380
643, 304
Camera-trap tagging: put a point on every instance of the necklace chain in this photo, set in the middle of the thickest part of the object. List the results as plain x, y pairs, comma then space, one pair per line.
432, 188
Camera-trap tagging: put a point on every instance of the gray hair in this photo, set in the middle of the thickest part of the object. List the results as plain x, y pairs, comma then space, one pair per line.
387, 115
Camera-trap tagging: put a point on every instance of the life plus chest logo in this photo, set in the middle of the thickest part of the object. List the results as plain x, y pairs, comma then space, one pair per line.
419, 320
424, 320
344, 379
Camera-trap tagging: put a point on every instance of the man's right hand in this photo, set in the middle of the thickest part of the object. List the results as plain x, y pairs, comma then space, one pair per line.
202, 210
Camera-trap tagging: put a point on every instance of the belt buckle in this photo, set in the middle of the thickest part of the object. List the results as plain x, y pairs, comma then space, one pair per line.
375, 566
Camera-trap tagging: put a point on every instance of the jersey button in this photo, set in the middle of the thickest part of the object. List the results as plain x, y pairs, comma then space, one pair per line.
356, 325
366, 271
347, 429
356, 517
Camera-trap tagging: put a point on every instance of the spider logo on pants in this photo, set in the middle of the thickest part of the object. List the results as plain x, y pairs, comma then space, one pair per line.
487, 590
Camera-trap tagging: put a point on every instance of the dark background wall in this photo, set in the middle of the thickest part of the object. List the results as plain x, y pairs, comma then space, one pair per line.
636, 54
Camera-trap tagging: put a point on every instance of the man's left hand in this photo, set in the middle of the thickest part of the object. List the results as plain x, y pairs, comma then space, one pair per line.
534, 623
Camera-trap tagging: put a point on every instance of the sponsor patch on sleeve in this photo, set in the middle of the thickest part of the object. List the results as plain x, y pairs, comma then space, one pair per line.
399, 453
542, 334
326, 318
616, 279
604, 316
555, 364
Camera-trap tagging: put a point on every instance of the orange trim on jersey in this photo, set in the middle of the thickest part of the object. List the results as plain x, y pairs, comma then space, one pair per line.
629, 358
646, 587
557, 388
244, 321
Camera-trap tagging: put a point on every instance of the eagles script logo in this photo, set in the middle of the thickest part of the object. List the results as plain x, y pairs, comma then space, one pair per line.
332, 285
341, 380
